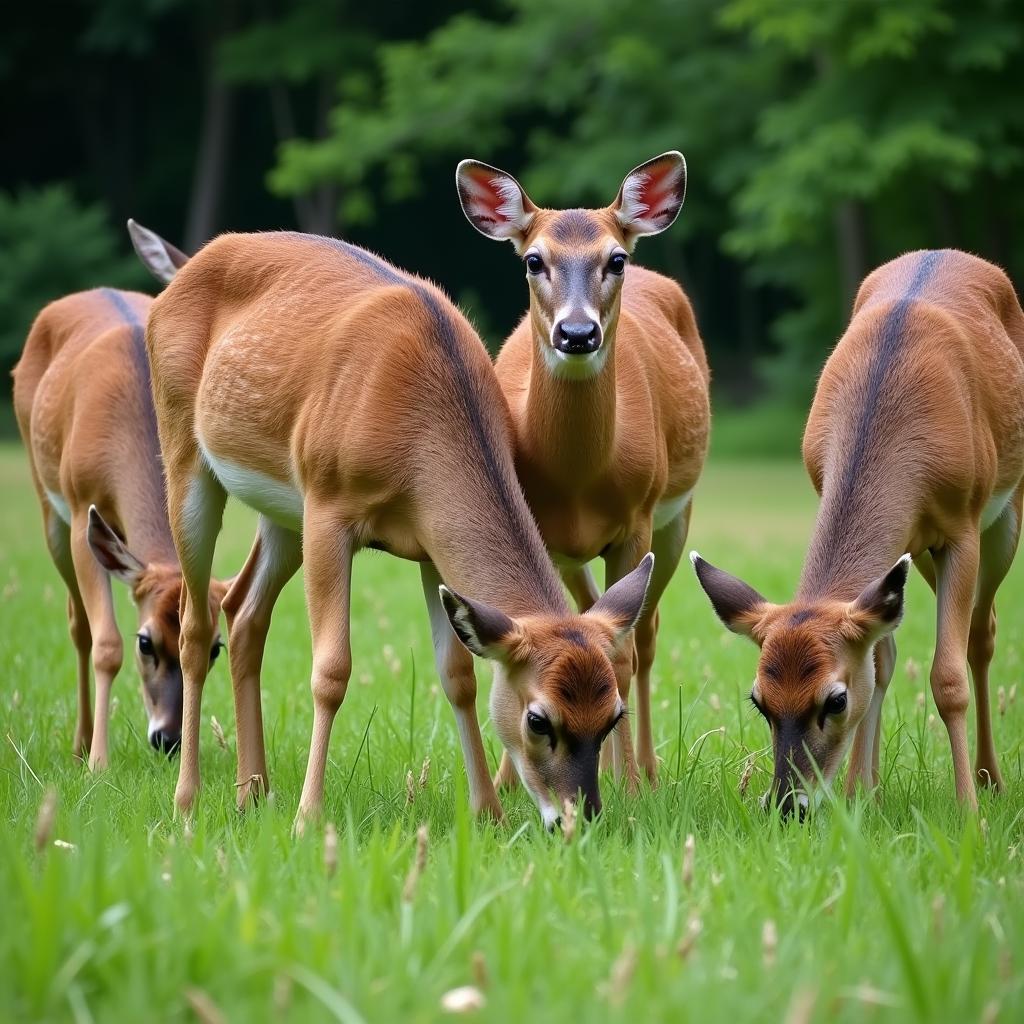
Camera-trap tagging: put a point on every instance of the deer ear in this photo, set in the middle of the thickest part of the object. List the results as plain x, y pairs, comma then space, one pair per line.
486, 631
623, 601
158, 256
494, 202
879, 608
110, 551
651, 195
738, 605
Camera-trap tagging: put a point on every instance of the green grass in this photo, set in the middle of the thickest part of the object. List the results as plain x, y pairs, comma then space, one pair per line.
896, 910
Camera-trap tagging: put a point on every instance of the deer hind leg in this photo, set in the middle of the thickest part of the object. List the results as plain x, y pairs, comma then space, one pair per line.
195, 501
956, 572
106, 648
455, 667
867, 739
998, 546
327, 549
275, 557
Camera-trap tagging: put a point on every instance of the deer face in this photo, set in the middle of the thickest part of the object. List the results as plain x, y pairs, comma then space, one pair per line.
815, 676
555, 699
575, 260
156, 593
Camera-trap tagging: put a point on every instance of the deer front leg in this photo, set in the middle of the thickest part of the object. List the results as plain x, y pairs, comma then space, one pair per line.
620, 560
455, 667
866, 741
275, 556
328, 547
107, 649
195, 501
956, 571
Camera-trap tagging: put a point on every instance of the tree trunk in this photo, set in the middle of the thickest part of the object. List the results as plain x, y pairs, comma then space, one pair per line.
851, 236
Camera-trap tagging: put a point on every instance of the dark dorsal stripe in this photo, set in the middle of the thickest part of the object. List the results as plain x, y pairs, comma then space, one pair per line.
140, 363
501, 480
891, 336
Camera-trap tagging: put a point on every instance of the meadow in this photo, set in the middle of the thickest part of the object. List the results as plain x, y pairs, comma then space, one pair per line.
898, 908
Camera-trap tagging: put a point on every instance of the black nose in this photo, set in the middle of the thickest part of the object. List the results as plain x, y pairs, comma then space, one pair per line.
166, 742
793, 803
591, 806
578, 338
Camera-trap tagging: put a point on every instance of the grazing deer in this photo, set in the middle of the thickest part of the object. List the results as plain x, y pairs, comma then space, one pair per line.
83, 403
915, 443
607, 382
351, 405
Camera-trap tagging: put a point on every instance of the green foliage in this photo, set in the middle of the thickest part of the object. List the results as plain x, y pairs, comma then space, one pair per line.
892, 910
50, 244
822, 138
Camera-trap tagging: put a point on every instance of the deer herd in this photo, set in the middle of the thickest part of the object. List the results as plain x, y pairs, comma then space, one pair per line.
350, 404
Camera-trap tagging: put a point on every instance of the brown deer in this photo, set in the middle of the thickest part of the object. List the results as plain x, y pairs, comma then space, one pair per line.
84, 408
351, 405
915, 443
607, 382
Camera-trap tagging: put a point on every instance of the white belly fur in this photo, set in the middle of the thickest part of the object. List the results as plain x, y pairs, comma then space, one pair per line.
281, 503
994, 509
59, 505
666, 511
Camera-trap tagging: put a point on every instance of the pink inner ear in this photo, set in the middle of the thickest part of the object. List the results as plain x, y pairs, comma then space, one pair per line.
487, 198
653, 193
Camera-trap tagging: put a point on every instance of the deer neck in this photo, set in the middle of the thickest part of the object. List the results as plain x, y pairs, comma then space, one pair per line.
863, 526
570, 422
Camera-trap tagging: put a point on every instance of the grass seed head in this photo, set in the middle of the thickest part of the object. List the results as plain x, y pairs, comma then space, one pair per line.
938, 914
802, 1007
418, 866
528, 874
425, 773
330, 849
715, 702
689, 853
686, 944
45, 819
769, 943
480, 973
1002, 700
568, 820
410, 789
921, 699
748, 771
205, 1009
616, 988
1013, 694
466, 999
218, 732
991, 1012
912, 669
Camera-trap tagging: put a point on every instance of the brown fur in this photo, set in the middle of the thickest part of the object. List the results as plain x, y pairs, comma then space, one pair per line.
597, 456
84, 409
363, 388
916, 433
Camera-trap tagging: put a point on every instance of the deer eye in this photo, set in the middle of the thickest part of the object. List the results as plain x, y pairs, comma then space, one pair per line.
534, 264
617, 263
757, 704
835, 704
146, 648
539, 725
215, 650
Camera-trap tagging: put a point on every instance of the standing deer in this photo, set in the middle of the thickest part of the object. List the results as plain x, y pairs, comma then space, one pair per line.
915, 443
351, 405
607, 382
84, 408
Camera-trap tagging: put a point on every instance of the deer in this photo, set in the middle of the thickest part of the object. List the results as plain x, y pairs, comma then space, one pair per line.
915, 445
352, 406
85, 412
607, 381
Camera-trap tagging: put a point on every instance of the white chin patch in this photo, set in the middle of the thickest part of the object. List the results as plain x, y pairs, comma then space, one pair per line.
550, 816
154, 727
575, 367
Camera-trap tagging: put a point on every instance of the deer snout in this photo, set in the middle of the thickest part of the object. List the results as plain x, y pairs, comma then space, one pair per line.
165, 740
577, 337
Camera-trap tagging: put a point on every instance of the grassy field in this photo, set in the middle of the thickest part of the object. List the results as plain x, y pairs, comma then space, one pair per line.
892, 910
